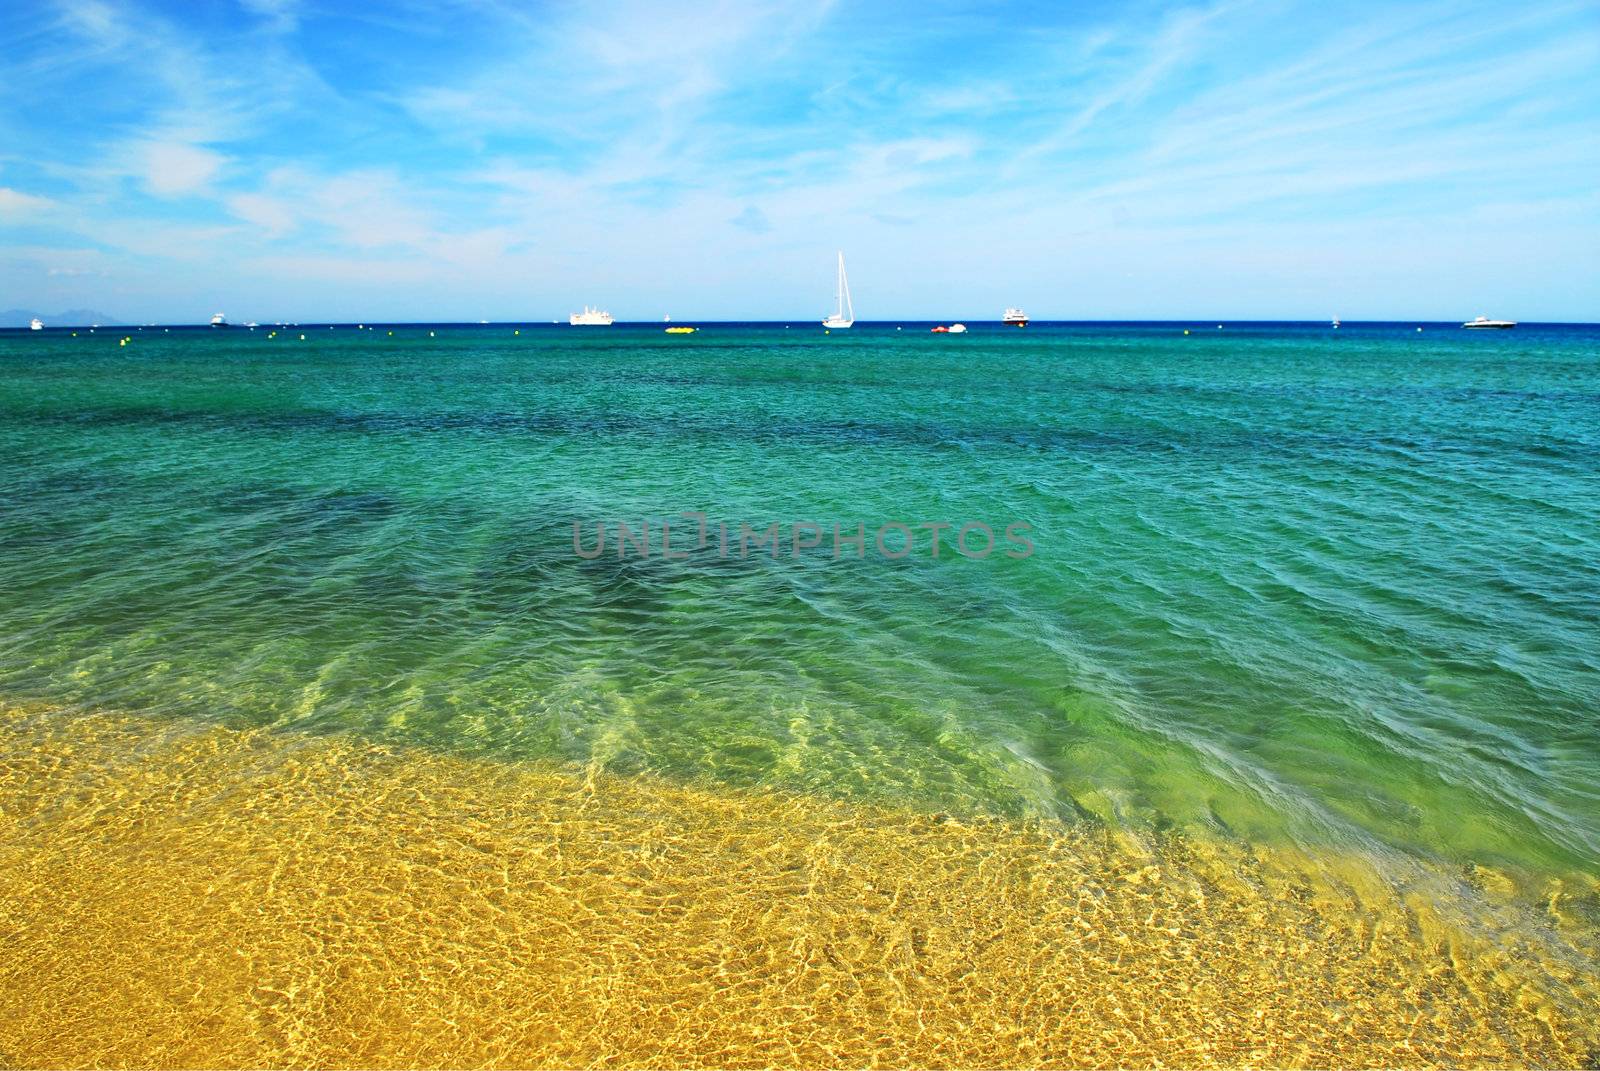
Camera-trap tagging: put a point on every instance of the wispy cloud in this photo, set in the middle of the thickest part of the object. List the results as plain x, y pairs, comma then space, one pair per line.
175, 167
16, 206
281, 15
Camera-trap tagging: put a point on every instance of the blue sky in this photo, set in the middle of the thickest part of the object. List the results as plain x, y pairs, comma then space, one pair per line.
294, 159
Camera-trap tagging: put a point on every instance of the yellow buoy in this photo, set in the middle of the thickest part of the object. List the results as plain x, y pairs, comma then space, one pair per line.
302, 338
1186, 331
516, 332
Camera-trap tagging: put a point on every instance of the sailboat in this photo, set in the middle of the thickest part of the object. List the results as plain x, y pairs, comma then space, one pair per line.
846, 314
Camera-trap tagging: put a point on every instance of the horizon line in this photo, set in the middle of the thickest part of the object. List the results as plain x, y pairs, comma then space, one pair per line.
805, 322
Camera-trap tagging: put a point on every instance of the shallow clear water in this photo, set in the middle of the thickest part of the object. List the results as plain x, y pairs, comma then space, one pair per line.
1289, 583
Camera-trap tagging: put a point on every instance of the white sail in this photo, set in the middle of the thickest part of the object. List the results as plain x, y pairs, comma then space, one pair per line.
845, 313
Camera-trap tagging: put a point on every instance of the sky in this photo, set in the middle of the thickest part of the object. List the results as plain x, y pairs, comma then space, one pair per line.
1270, 159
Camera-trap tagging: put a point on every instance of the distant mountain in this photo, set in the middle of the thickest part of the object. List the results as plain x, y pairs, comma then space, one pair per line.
65, 318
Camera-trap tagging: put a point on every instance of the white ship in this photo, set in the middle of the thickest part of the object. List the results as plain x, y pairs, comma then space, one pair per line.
845, 315
219, 320
590, 318
36, 324
1015, 318
1484, 321
958, 329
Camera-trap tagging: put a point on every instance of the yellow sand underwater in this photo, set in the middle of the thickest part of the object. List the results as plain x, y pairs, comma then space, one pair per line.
181, 896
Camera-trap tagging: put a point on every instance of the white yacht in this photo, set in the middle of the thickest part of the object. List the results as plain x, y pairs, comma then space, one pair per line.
1015, 318
36, 324
219, 320
590, 318
958, 329
1484, 321
845, 315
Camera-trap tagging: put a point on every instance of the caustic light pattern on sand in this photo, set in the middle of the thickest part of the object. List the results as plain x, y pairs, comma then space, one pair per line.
214, 897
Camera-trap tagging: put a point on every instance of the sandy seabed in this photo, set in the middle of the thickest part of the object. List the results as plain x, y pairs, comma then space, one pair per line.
174, 895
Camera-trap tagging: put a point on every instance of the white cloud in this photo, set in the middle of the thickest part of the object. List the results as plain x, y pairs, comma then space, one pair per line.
19, 207
271, 214
281, 15
173, 168
91, 19
366, 209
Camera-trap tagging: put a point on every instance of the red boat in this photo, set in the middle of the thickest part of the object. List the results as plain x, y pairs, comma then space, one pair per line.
941, 330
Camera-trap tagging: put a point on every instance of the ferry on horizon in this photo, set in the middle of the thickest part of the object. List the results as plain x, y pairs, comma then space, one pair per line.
36, 324
1015, 318
845, 316
220, 320
1484, 321
590, 317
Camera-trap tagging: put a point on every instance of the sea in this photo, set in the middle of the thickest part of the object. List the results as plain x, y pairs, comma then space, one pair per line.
827, 688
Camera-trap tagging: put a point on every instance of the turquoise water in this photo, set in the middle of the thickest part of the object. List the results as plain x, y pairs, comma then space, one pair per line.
1339, 587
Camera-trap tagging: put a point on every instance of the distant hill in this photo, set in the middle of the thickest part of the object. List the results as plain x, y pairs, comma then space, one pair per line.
65, 318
